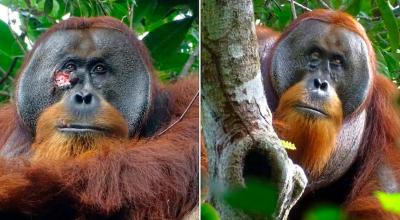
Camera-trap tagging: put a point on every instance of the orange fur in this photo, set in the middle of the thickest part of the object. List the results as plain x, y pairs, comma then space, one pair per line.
51, 144
365, 206
142, 177
382, 134
7, 116
315, 138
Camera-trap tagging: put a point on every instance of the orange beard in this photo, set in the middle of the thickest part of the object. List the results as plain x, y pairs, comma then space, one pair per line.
62, 146
53, 145
314, 137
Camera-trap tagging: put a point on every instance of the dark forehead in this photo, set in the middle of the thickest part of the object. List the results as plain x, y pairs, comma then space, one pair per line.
87, 42
328, 36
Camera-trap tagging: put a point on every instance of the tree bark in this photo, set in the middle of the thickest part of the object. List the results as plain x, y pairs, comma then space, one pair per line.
236, 120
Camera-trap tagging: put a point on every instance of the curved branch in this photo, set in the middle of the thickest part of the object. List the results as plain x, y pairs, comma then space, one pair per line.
236, 120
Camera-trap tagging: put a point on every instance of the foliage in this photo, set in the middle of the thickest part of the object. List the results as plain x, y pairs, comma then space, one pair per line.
288, 145
325, 212
390, 202
380, 18
208, 212
258, 198
168, 28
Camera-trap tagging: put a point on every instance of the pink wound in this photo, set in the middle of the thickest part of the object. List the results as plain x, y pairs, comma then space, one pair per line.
62, 79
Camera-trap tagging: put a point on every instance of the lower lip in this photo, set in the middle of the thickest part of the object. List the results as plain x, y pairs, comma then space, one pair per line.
79, 130
311, 111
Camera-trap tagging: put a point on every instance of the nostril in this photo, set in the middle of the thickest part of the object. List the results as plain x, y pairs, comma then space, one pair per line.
78, 98
88, 98
317, 83
324, 86
83, 104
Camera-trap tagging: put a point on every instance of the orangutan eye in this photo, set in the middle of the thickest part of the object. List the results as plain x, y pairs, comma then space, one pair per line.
315, 55
99, 69
70, 67
337, 61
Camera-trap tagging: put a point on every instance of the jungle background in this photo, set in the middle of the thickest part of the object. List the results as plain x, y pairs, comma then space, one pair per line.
169, 28
381, 20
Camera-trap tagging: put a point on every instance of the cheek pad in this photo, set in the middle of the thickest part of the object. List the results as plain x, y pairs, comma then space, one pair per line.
37, 81
286, 68
33, 96
129, 88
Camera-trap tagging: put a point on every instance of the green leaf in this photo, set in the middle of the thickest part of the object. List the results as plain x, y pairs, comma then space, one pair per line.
8, 47
13, 3
80, 8
48, 6
143, 8
62, 9
56, 10
34, 28
354, 7
390, 22
325, 212
336, 3
120, 11
173, 63
393, 64
208, 212
389, 202
288, 145
366, 7
166, 39
382, 65
257, 198
163, 9
284, 15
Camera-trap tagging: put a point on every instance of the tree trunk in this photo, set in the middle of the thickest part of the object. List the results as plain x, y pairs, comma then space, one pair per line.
236, 120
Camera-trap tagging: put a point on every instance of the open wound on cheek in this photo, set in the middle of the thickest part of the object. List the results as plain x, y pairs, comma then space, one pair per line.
62, 79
